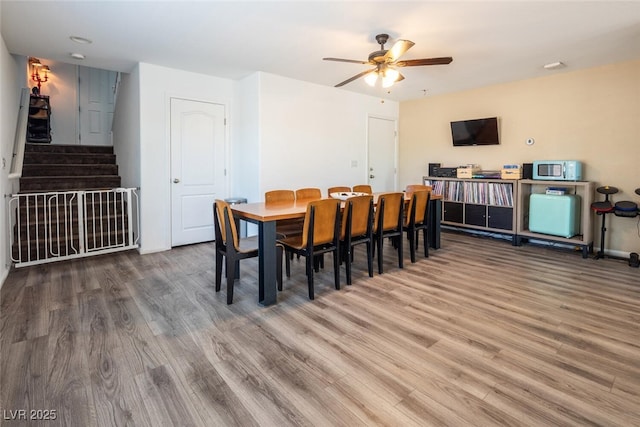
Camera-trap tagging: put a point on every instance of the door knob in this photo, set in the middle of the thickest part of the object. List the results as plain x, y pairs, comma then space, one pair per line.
176, 180
371, 176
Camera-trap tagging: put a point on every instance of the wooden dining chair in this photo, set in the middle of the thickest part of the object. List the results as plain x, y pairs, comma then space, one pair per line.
232, 249
363, 188
308, 194
357, 229
416, 220
320, 235
412, 188
388, 222
409, 190
284, 227
339, 189
275, 196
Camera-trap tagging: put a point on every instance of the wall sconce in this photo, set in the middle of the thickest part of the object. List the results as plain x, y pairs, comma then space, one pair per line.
39, 72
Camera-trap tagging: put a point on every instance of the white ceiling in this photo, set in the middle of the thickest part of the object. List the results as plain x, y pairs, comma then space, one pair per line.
490, 42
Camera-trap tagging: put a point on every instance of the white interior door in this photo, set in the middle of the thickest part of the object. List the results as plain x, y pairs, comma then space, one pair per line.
96, 101
382, 154
197, 168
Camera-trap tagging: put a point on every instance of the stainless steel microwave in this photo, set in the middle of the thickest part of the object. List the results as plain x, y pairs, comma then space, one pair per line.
557, 170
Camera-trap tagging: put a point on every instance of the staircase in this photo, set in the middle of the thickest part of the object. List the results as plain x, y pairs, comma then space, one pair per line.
70, 204
51, 167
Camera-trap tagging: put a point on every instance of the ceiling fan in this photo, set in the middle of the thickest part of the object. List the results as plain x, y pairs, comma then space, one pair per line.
385, 62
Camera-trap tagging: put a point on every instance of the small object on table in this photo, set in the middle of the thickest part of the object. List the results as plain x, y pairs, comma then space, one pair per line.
345, 195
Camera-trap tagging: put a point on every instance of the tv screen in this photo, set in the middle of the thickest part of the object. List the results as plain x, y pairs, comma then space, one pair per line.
475, 132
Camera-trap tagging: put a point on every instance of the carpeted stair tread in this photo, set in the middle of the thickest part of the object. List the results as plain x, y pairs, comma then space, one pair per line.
54, 170
68, 148
68, 158
53, 183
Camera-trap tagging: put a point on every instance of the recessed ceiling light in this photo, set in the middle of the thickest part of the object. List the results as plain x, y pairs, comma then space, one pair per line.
80, 40
554, 65
77, 56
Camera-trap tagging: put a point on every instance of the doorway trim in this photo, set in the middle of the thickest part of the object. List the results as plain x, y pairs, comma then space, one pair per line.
168, 165
395, 146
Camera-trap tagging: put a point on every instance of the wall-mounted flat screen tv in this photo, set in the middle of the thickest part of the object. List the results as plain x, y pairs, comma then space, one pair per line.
475, 132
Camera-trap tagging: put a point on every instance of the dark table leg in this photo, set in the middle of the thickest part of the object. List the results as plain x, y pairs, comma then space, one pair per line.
267, 288
435, 216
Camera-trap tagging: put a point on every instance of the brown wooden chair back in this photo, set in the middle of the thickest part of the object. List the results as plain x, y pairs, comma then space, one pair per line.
274, 196
417, 211
320, 235
308, 194
390, 208
339, 189
389, 222
363, 188
418, 219
359, 208
224, 215
357, 229
325, 216
412, 188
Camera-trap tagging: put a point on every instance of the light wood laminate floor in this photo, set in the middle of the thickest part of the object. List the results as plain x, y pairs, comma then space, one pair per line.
481, 334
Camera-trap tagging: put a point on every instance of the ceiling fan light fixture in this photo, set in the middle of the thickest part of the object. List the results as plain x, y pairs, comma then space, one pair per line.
391, 73
371, 78
389, 78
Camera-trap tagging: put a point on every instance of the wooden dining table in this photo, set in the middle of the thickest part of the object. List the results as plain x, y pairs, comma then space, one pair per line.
265, 216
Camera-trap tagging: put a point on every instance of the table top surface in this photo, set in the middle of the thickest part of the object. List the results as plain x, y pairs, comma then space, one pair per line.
261, 211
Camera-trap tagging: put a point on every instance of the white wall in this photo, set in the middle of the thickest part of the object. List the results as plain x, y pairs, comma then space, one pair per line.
126, 129
588, 115
126, 132
62, 89
157, 86
310, 134
283, 133
245, 149
11, 82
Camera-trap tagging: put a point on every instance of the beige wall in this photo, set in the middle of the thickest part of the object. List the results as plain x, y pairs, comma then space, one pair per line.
591, 115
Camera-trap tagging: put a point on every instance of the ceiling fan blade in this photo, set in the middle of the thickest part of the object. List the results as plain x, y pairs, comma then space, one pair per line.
426, 61
355, 61
397, 50
357, 76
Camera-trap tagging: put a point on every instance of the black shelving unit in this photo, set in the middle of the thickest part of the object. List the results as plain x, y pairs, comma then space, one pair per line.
482, 204
39, 121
